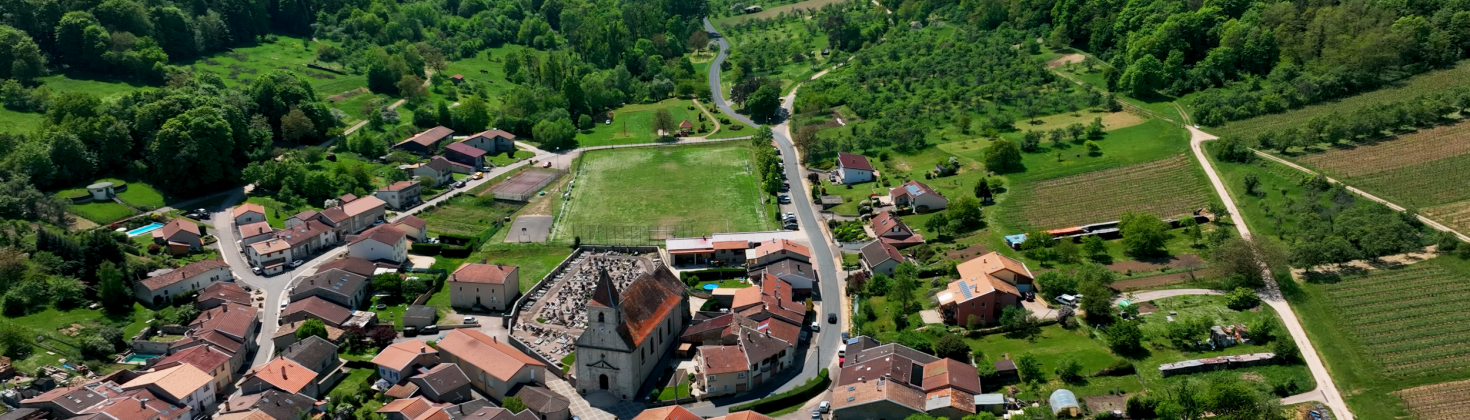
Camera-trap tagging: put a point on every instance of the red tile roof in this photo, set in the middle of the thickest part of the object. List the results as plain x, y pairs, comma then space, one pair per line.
225, 291
400, 355
489, 354
354, 265
490, 134
173, 227
396, 186
284, 374
851, 161
322, 308
254, 229
946, 373
465, 149
183, 273
363, 205
482, 273
744, 415
778, 245
428, 137
413, 222
723, 359
731, 245
231, 319
384, 234
672, 412
246, 208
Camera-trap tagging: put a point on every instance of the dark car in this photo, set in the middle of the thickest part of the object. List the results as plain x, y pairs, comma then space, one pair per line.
831, 318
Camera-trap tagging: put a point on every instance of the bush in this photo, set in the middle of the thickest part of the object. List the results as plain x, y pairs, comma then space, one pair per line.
455, 251
1118, 368
1241, 299
712, 274
426, 248
812, 388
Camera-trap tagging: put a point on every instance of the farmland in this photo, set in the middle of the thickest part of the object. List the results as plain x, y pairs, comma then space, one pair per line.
644, 194
1165, 188
1455, 215
1423, 169
1413, 87
466, 215
1437, 402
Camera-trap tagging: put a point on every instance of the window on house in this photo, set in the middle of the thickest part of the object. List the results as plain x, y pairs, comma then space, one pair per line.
712, 377
740, 375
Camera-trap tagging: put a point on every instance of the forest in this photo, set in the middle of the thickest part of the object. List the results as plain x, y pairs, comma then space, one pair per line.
192, 130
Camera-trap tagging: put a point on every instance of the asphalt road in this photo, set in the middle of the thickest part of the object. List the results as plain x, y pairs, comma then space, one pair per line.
826, 342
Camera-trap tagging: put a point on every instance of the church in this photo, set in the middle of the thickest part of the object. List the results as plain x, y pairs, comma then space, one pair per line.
629, 331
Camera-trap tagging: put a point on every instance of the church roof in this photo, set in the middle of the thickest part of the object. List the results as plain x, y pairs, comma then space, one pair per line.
606, 294
645, 303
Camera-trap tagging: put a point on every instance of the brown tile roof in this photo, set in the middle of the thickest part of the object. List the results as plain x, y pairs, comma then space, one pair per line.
465, 149
413, 221
950, 397
877, 252
885, 223
398, 186
333, 333
284, 374
384, 234
672, 412
541, 400
492, 133
182, 273
173, 227
486, 353
945, 373
240, 210
363, 205
871, 390
347, 198
179, 381
204, 358
482, 273
990, 264
399, 356
403, 390
713, 324
723, 359
225, 291
354, 265
321, 308
439, 164
744, 415
305, 215
719, 245
497, 413
686, 124
851, 161
409, 407
270, 246
428, 137
303, 232
231, 319
255, 229
334, 214
781, 329
745, 297
758, 346
780, 245
210, 337
139, 404
918, 189
647, 301
605, 294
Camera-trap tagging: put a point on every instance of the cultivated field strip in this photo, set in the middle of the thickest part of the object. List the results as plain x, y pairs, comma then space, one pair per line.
1454, 215
1442, 401
1423, 185
1403, 151
1165, 188
1408, 333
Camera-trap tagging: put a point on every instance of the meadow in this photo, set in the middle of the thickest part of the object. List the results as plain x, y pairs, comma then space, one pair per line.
643, 195
770, 12
242, 66
633, 124
1413, 87
466, 215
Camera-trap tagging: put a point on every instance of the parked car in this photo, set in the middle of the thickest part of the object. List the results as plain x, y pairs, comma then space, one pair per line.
825, 406
783, 199
831, 317
816, 414
471, 320
479, 175
790, 215
430, 329
256, 270
410, 331
817, 326
791, 226
846, 336
296, 263
459, 184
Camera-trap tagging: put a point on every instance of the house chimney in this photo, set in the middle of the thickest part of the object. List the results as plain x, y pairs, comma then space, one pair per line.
226, 307
227, 406
484, 260
283, 373
143, 403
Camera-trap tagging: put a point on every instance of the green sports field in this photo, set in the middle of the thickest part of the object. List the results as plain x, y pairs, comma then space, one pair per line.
645, 194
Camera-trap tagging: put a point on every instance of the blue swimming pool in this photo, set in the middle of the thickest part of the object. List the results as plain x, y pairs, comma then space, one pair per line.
711, 286
145, 229
139, 358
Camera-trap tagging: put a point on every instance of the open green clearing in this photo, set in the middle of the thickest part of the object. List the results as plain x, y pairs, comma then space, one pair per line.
1413, 87
646, 194
781, 42
535, 261
96, 87
489, 67
1376, 339
633, 124
19, 122
771, 12
467, 215
246, 63
102, 212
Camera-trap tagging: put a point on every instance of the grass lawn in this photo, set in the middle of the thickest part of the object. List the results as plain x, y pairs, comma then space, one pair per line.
19, 122
467, 215
489, 67
782, 34
643, 195
357, 382
51, 320
728, 284
534, 260
671, 392
102, 212
633, 124
97, 87
244, 64
276, 212
500, 159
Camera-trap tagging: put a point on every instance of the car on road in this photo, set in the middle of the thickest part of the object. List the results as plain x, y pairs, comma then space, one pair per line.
256, 270
283, 305
459, 184
817, 326
297, 263
791, 226
471, 320
825, 406
816, 414
429, 329
846, 336
831, 317
783, 199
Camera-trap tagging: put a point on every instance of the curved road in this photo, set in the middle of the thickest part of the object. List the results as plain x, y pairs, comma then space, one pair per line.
1271, 294
828, 296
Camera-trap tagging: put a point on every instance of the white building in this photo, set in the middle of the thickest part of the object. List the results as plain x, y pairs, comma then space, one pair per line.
195, 276
852, 169
378, 244
629, 331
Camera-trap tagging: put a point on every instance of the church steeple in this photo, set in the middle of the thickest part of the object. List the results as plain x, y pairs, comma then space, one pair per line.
606, 294
605, 309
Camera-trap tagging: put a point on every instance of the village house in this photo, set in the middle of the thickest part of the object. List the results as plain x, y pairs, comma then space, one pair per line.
400, 195
355, 216
852, 169
197, 275
230, 328
314, 307
879, 257
686, 128
493, 141
438, 170
286, 334
757, 355
221, 293
358, 266
891, 381
445, 383
106, 400
426, 142
486, 287
270, 255
492, 366
255, 232
182, 385
301, 217
335, 285
776, 250
798, 273
544, 402
283, 375
673, 412
988, 284
419, 316
179, 236
707, 250
381, 243
397, 361
208, 359
893, 231
628, 332
465, 154
772, 298
270, 405
248, 213
919, 196
417, 229
320, 356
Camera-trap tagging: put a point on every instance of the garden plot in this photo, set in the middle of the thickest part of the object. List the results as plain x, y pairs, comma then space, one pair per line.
1165, 188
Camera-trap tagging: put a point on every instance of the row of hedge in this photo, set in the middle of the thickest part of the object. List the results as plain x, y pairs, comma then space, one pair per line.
446, 247
796, 396
713, 274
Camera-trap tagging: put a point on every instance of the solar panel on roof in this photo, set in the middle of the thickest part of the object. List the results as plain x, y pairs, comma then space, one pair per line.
965, 289
913, 189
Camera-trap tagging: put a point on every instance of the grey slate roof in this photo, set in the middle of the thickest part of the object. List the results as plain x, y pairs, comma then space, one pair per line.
540, 399
311, 352
442, 379
420, 311
459, 412
333, 282
283, 406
